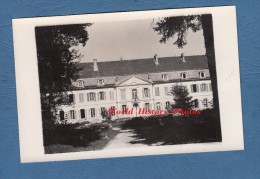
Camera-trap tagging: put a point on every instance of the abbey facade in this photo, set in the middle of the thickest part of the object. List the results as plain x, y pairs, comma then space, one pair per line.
146, 83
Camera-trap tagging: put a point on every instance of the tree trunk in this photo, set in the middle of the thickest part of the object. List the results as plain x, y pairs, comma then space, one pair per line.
207, 26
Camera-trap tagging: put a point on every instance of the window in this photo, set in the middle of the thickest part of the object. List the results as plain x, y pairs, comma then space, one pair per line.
82, 113
124, 109
80, 83
101, 96
146, 93
71, 98
203, 87
165, 77
100, 82
147, 106
72, 114
122, 94
81, 97
91, 96
167, 104
111, 95
157, 91
210, 87
158, 106
166, 91
194, 88
102, 109
202, 74
205, 103
112, 110
183, 76
92, 112
134, 94
196, 103
62, 115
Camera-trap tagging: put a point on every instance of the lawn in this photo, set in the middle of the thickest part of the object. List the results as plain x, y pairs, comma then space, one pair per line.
78, 137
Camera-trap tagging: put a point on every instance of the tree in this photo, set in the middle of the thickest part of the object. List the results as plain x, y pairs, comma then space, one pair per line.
57, 61
105, 115
170, 27
181, 97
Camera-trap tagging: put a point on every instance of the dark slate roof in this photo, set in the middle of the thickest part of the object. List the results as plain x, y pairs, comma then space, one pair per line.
142, 66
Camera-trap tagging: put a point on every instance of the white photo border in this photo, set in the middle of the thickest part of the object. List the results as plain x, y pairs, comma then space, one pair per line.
28, 92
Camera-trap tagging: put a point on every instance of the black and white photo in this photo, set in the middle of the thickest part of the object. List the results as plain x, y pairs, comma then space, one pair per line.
130, 83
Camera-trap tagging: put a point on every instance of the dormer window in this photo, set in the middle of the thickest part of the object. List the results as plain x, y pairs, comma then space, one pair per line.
80, 83
183, 75
100, 82
165, 77
202, 74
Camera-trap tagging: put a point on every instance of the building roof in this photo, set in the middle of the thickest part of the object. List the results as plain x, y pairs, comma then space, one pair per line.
142, 66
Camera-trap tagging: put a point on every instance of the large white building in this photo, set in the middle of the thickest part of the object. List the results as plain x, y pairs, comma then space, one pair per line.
119, 84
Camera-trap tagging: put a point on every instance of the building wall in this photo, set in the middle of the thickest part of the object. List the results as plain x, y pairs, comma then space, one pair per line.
118, 100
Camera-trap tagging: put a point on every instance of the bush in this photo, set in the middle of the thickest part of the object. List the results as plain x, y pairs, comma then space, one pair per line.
77, 137
169, 130
134, 122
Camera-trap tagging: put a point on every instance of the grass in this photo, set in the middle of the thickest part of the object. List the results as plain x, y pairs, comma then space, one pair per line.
172, 130
72, 138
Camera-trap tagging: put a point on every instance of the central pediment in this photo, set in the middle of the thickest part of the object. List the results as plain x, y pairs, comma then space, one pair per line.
133, 80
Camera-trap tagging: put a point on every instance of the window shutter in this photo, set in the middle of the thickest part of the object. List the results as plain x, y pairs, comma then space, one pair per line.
104, 95
98, 96
79, 114
143, 93
148, 90
166, 90
197, 88
68, 115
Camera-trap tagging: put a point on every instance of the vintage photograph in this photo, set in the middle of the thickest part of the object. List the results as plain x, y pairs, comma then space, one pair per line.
126, 84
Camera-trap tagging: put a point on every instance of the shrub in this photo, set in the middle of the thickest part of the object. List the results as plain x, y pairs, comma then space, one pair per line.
78, 137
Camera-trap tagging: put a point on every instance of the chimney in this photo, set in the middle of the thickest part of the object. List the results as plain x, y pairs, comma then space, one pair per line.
156, 61
183, 57
95, 65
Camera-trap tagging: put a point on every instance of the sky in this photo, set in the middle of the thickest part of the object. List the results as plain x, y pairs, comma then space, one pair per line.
126, 40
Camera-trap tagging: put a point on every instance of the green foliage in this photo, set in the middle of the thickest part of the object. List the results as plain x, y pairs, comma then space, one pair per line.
170, 27
105, 115
181, 97
57, 64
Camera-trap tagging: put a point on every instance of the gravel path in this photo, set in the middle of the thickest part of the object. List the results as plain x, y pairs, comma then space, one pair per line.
123, 139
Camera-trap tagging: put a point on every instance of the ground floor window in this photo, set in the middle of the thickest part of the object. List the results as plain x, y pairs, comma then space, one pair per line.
62, 115
102, 109
82, 113
147, 106
92, 112
167, 104
158, 106
112, 110
72, 114
196, 103
205, 102
124, 109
